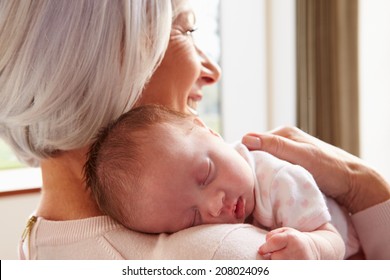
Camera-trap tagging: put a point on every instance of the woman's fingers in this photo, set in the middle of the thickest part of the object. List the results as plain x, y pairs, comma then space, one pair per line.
279, 146
325, 162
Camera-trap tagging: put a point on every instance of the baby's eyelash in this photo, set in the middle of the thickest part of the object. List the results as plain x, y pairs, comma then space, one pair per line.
194, 220
208, 173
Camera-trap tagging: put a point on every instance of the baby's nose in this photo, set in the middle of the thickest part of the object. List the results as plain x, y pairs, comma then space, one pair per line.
216, 205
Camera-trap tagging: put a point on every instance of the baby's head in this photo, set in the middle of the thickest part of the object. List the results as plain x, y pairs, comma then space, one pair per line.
155, 170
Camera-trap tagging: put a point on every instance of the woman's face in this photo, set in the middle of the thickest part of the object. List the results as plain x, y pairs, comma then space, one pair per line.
177, 82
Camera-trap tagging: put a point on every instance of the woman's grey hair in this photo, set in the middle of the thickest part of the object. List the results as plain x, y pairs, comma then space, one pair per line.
67, 68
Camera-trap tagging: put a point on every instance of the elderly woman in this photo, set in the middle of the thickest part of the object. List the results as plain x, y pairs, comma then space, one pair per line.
68, 68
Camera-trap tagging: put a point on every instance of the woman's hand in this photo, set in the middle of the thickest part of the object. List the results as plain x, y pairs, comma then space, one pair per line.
339, 174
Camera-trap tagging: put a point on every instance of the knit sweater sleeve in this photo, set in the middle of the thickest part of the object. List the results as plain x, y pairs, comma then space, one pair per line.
373, 227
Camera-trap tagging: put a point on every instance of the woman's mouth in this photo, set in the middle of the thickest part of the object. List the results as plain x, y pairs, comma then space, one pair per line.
193, 100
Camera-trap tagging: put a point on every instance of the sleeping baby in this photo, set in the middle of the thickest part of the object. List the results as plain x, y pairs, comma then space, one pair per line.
155, 170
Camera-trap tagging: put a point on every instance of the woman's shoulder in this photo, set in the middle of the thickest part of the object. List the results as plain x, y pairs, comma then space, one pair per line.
71, 239
103, 238
218, 241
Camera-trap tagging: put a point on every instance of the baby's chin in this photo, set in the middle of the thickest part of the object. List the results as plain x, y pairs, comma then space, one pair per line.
250, 203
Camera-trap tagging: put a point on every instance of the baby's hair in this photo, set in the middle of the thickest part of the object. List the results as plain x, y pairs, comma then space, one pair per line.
115, 160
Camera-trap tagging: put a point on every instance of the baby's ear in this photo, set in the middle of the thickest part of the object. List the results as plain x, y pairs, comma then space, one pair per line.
199, 122
215, 133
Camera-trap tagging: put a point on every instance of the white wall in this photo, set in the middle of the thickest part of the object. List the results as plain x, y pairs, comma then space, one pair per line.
258, 65
15, 210
375, 83
243, 67
281, 71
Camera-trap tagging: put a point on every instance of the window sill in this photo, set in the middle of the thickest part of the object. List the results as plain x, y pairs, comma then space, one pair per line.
20, 181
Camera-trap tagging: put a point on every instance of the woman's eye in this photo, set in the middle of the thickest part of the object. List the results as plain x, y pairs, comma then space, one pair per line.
191, 30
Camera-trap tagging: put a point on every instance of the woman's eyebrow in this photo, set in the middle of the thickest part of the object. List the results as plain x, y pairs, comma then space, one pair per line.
193, 16
188, 15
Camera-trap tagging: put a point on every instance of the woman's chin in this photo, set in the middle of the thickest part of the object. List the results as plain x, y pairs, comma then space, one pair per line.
192, 111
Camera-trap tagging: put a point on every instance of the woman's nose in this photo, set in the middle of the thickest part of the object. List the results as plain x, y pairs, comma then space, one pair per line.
210, 72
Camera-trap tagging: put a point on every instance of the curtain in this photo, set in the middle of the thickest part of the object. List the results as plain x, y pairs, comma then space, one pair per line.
327, 69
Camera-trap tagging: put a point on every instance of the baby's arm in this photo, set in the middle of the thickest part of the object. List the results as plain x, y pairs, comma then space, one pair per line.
288, 243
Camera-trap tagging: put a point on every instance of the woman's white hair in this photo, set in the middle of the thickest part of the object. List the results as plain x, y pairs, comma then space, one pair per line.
69, 67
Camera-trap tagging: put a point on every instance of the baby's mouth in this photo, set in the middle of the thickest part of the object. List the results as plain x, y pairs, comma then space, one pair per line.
239, 209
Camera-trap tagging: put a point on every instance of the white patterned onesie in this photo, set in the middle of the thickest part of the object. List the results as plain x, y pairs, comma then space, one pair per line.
286, 195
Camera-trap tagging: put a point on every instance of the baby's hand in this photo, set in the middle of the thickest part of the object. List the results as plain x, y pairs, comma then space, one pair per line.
288, 244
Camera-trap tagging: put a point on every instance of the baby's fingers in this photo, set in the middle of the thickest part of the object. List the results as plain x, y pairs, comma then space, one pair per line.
275, 241
276, 231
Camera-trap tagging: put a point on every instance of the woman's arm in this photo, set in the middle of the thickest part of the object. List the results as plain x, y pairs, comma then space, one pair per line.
218, 242
346, 178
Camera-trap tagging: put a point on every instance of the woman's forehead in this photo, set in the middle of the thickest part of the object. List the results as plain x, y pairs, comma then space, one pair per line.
179, 6
182, 10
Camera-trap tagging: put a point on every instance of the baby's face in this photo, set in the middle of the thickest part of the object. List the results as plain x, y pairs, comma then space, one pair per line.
193, 178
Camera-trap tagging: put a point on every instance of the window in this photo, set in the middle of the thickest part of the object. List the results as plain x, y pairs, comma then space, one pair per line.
258, 62
254, 42
13, 175
207, 37
7, 159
